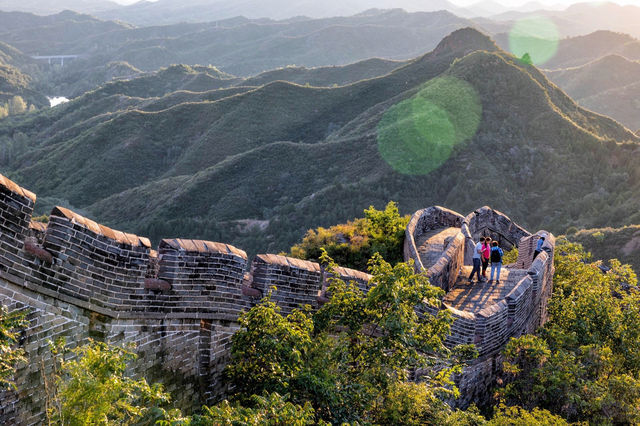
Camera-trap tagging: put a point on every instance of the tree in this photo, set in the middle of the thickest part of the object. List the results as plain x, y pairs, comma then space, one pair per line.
526, 59
585, 362
271, 409
350, 360
517, 416
269, 350
17, 105
92, 387
10, 354
352, 244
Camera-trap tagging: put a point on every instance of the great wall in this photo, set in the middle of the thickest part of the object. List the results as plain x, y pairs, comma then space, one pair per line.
179, 305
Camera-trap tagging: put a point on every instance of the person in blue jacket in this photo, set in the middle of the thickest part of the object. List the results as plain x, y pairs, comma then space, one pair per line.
496, 261
539, 246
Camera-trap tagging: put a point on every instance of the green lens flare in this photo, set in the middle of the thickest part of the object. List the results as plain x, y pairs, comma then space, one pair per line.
417, 135
537, 36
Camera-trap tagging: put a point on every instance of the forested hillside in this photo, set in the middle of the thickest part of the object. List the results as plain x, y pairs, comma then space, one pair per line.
226, 167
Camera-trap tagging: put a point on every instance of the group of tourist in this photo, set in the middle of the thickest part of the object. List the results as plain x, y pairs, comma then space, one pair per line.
484, 252
487, 251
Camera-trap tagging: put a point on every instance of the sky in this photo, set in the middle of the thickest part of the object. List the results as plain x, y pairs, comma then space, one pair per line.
508, 3
566, 3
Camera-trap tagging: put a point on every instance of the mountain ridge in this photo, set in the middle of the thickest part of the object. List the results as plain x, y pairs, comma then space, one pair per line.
233, 159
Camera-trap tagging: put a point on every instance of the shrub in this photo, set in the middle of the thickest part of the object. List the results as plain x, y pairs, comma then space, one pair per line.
352, 244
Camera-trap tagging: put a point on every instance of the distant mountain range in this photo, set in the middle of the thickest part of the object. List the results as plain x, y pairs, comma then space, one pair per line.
583, 18
48, 7
290, 157
242, 47
163, 12
609, 85
238, 46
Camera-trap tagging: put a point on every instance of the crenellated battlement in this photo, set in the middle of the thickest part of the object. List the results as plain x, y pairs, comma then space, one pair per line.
118, 274
180, 303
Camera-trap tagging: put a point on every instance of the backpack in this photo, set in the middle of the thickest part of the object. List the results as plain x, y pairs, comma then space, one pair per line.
496, 255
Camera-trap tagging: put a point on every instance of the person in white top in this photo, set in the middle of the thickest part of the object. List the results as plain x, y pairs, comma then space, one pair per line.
477, 261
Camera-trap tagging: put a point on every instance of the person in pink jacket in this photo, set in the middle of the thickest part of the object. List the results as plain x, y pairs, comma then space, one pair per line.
486, 254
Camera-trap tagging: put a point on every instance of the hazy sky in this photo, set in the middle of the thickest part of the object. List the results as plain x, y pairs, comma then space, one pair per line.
468, 2
549, 2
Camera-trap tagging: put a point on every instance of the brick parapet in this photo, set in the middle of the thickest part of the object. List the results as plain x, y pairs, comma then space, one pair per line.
522, 311
422, 222
93, 266
444, 273
116, 274
204, 277
297, 282
486, 221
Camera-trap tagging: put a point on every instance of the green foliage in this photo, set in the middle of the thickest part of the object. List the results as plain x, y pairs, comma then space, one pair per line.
272, 410
42, 218
517, 416
91, 387
585, 363
350, 359
17, 105
608, 243
511, 256
409, 403
269, 351
571, 230
526, 59
352, 244
10, 354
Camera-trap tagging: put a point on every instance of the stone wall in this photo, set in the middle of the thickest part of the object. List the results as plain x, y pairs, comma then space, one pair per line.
522, 310
78, 279
486, 222
444, 272
179, 305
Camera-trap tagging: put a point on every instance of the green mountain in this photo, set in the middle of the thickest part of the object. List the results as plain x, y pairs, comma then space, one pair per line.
256, 167
183, 83
611, 243
78, 80
327, 76
610, 86
15, 77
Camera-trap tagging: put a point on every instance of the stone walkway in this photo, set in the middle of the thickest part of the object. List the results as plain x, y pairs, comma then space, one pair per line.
432, 244
477, 296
